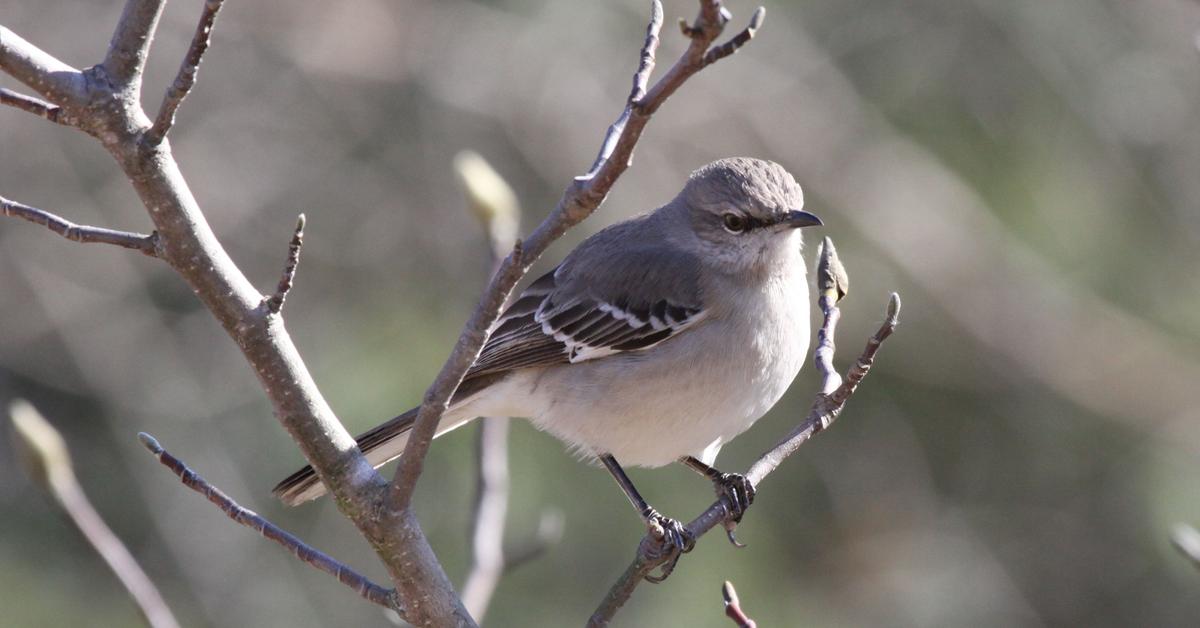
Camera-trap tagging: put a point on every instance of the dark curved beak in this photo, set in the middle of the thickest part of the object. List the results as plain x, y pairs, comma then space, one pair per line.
797, 218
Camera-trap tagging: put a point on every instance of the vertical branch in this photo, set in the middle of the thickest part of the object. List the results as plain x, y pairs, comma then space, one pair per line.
50, 463
130, 44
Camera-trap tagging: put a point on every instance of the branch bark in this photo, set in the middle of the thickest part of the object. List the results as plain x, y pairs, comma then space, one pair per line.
828, 404
146, 244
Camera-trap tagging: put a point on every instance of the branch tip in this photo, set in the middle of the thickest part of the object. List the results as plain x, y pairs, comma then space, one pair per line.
151, 443
733, 607
186, 77
274, 303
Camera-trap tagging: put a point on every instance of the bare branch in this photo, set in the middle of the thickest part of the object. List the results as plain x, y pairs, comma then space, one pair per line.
491, 507
824, 410
360, 584
130, 44
186, 77
582, 197
50, 461
147, 244
40, 71
739, 40
733, 607
36, 106
274, 302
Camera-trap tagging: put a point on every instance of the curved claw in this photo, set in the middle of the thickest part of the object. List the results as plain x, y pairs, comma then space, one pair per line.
675, 540
738, 490
730, 526
740, 493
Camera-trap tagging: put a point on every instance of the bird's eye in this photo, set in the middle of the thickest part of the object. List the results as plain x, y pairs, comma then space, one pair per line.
734, 223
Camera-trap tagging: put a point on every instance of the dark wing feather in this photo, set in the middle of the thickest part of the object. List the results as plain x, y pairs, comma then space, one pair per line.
545, 326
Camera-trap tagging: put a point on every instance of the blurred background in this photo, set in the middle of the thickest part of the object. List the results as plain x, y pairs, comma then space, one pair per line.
1022, 172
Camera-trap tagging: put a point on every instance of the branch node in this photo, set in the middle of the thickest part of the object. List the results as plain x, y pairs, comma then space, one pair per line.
737, 41
274, 303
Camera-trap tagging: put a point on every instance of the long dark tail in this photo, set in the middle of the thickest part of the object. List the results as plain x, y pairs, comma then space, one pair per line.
380, 445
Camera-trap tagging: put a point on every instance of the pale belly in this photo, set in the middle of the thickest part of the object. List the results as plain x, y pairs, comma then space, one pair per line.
685, 396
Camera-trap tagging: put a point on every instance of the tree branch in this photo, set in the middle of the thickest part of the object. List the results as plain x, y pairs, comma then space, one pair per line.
186, 77
49, 460
36, 106
307, 554
831, 282
147, 244
582, 197
130, 44
274, 303
494, 204
54, 80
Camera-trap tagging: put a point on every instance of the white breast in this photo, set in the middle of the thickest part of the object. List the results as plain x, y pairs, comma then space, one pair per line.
689, 394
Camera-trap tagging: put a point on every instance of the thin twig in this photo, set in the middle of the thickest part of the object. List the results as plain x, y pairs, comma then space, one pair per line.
36, 106
733, 607
824, 410
46, 451
274, 302
344, 574
130, 44
186, 77
147, 244
739, 40
495, 205
582, 197
491, 507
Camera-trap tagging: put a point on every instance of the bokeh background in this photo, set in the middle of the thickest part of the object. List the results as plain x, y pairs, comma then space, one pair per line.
1023, 172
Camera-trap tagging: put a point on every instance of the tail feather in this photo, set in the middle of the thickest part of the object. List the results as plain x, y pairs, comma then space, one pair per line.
380, 445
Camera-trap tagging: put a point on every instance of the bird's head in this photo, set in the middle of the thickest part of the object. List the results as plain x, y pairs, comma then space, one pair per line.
746, 214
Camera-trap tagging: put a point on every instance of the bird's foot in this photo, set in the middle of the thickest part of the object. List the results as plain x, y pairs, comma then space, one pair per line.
670, 540
739, 491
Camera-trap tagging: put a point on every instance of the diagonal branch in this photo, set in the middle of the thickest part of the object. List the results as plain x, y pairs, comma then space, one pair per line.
40, 71
582, 197
147, 244
49, 462
361, 584
186, 77
36, 106
831, 282
130, 44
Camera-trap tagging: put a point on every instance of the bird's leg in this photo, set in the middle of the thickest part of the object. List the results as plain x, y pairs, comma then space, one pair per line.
735, 487
675, 536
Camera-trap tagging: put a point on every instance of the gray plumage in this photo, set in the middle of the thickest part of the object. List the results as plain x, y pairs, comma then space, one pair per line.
662, 336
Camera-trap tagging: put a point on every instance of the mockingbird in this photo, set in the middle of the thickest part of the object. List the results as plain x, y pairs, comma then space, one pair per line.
658, 339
